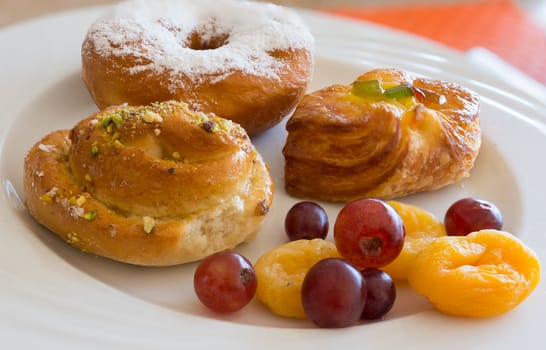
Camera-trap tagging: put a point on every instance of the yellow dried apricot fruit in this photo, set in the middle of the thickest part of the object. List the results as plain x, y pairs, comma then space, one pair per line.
485, 273
418, 222
280, 273
422, 228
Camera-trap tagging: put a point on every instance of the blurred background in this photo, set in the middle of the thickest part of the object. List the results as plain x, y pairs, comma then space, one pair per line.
514, 31
16, 10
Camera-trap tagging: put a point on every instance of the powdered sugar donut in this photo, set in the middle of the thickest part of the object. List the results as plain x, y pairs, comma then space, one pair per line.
245, 61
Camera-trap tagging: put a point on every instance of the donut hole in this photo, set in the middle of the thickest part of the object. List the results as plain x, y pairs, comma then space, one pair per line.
205, 36
206, 41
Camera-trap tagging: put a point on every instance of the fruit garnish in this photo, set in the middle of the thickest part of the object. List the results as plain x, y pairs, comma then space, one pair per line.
380, 294
374, 88
429, 98
485, 273
367, 88
281, 271
399, 91
333, 293
421, 227
369, 233
470, 214
306, 220
225, 282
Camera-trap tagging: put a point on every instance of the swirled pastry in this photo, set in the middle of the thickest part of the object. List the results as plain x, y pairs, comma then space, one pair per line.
152, 185
387, 135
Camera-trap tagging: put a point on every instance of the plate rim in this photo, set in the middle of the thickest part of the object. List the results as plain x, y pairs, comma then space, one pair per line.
167, 314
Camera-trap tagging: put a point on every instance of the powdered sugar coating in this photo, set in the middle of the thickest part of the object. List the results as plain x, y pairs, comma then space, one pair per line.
156, 35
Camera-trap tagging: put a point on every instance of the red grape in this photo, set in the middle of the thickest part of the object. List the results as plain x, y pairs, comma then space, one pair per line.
469, 215
381, 293
306, 220
333, 293
369, 233
225, 282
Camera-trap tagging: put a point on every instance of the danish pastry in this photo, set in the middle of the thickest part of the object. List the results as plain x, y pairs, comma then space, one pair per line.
387, 135
152, 185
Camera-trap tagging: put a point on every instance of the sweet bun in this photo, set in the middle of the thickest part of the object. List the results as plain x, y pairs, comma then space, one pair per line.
153, 185
244, 61
387, 135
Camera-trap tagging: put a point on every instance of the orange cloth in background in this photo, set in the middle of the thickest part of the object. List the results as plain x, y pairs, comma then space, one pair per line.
500, 26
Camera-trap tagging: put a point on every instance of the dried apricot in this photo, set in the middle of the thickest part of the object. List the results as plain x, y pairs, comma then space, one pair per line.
421, 228
281, 271
483, 274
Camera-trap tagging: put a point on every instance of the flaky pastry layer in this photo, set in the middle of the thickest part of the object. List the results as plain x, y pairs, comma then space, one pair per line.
343, 145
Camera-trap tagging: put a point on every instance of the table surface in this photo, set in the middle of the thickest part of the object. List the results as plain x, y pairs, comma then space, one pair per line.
12, 11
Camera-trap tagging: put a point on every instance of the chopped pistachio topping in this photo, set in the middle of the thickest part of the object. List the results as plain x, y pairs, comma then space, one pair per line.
72, 238
49, 195
149, 223
115, 136
226, 125
46, 198
105, 121
152, 117
90, 215
200, 118
88, 177
116, 118
94, 149
80, 200
73, 210
176, 155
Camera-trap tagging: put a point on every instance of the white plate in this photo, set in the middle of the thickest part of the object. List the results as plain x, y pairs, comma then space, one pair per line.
54, 296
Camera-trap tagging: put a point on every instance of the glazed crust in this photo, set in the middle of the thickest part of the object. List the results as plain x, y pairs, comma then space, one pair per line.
255, 102
156, 185
341, 147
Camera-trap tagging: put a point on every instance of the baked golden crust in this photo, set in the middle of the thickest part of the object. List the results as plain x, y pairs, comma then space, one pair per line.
256, 103
155, 185
341, 146
244, 61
